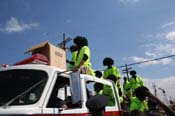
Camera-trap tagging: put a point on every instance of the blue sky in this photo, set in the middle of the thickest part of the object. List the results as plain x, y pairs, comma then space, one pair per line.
126, 30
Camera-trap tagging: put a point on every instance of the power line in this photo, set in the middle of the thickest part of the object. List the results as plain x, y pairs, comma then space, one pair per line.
146, 61
127, 69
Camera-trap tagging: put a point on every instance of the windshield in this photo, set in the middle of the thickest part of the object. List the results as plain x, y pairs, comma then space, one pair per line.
15, 82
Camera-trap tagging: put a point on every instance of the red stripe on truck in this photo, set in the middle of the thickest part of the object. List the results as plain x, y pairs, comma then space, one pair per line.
111, 113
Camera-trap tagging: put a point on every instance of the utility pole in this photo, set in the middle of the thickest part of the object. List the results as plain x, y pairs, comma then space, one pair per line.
63, 43
127, 70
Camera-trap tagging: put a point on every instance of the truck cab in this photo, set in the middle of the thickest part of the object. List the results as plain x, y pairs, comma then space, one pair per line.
40, 90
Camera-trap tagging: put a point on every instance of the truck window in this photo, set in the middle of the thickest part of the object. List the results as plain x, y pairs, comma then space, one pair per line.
61, 94
94, 88
22, 86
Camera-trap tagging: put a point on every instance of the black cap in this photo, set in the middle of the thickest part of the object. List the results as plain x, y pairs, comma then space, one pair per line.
97, 102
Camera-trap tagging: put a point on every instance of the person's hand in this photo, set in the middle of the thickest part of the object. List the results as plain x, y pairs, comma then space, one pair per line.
74, 69
64, 106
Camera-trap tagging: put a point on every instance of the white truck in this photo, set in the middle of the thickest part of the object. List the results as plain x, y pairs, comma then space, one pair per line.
36, 90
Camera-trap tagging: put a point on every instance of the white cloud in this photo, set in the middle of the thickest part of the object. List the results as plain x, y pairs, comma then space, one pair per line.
171, 35
153, 55
162, 49
137, 59
166, 61
13, 25
166, 83
140, 59
157, 45
168, 25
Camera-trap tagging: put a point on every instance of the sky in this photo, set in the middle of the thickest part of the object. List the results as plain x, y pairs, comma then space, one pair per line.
128, 31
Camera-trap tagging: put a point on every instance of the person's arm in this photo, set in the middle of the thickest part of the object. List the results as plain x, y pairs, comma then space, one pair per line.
85, 57
61, 104
167, 109
70, 62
